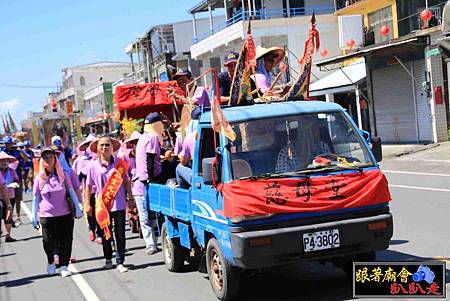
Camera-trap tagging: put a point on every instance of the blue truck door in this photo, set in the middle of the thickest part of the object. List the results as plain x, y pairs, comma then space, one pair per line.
207, 202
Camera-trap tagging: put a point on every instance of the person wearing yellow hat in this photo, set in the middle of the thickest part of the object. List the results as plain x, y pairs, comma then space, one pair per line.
266, 60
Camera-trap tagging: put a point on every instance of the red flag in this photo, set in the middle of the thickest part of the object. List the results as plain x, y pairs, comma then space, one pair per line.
219, 123
312, 43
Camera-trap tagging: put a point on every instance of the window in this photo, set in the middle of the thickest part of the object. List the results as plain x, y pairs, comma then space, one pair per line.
82, 81
207, 145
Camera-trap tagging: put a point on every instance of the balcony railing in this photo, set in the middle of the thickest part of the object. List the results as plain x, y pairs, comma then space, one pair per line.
340, 4
263, 14
413, 22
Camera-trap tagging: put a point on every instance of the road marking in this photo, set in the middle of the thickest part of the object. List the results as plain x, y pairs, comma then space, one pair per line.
82, 284
419, 188
417, 173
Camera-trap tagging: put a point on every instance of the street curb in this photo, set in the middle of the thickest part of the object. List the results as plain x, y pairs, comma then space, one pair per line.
413, 151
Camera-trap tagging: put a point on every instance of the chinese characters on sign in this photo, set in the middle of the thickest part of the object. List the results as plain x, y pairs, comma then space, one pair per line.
388, 279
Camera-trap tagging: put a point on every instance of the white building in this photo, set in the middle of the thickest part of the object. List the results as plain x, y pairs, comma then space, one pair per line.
78, 79
274, 23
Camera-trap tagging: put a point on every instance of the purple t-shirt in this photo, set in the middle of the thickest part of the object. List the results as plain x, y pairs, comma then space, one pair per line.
99, 174
201, 97
52, 195
178, 144
262, 82
188, 145
148, 143
13, 179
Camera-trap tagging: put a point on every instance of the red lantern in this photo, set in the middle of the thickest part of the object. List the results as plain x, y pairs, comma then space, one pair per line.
324, 52
54, 108
384, 30
351, 43
426, 15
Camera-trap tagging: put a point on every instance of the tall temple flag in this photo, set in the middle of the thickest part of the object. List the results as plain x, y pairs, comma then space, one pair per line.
301, 86
6, 126
241, 91
12, 123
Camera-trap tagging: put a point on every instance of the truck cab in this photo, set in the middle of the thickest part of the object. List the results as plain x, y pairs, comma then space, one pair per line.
299, 182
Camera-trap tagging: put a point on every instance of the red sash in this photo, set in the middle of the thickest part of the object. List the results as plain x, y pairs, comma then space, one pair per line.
104, 200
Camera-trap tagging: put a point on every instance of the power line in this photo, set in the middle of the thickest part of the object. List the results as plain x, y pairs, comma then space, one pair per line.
26, 86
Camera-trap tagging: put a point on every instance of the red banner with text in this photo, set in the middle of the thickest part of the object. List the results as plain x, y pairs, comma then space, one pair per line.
309, 194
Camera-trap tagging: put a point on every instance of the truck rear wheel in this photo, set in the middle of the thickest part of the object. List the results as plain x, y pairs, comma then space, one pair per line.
223, 277
172, 251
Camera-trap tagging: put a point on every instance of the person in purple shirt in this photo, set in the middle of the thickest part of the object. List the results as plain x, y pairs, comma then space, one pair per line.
149, 170
267, 59
5, 205
184, 169
99, 172
11, 180
80, 167
199, 94
51, 205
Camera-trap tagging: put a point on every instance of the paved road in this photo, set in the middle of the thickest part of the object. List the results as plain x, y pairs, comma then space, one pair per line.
421, 206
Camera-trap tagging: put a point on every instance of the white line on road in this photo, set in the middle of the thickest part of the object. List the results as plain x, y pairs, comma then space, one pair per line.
419, 188
82, 284
417, 173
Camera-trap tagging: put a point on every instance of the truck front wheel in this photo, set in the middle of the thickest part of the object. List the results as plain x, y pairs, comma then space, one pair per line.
172, 251
223, 277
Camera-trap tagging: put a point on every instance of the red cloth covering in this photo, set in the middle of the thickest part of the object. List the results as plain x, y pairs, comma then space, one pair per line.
139, 96
323, 193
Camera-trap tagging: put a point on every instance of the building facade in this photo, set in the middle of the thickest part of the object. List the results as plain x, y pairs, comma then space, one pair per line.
402, 95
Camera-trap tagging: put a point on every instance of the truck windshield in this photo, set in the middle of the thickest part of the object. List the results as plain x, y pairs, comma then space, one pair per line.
296, 144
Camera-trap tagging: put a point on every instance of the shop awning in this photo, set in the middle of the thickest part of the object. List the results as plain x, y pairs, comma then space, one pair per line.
144, 97
341, 80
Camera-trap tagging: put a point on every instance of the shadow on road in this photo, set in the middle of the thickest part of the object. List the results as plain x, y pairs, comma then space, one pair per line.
394, 242
390, 255
30, 238
8, 254
24, 281
4, 273
145, 265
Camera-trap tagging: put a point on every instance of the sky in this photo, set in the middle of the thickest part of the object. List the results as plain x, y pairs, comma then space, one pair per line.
38, 38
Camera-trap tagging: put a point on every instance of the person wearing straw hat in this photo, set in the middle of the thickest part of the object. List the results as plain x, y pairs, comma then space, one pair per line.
11, 150
81, 167
54, 211
11, 181
266, 60
111, 197
199, 94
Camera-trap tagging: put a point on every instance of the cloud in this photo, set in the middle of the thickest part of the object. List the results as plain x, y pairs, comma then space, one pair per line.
10, 105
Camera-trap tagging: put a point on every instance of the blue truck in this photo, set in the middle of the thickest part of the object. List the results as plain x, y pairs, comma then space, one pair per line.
281, 140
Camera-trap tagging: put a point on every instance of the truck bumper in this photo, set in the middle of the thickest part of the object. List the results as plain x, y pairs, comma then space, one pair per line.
284, 245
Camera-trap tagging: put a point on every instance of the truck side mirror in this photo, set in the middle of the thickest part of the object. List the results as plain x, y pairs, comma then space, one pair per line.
211, 171
376, 148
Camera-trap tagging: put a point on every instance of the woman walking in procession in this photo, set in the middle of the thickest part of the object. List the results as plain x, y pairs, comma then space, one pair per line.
11, 181
109, 174
55, 203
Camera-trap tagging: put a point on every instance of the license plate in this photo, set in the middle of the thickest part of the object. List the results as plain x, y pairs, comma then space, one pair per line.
321, 240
